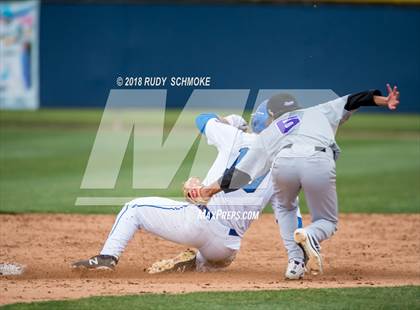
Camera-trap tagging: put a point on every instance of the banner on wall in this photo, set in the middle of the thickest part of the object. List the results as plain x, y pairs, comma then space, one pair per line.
19, 78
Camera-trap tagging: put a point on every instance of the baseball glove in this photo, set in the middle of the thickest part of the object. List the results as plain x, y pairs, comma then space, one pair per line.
192, 191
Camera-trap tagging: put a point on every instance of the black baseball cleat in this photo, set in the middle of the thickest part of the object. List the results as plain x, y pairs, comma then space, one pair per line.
311, 249
98, 262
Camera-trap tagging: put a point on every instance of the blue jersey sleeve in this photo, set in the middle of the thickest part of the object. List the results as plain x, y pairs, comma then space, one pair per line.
202, 119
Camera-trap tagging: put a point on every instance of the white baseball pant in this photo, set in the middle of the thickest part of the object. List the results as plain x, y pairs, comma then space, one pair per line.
175, 221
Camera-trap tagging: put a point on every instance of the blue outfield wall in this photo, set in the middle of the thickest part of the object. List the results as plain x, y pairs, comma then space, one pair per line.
345, 48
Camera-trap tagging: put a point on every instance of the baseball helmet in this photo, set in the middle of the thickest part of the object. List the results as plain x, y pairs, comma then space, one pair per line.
260, 118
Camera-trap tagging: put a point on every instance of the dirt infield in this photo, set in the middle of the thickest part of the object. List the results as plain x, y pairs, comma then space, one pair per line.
377, 250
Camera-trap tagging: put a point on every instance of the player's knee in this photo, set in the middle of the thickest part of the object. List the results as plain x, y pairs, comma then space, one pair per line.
214, 262
134, 206
288, 206
141, 201
221, 257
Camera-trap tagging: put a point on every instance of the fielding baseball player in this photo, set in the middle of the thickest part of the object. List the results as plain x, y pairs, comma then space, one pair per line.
215, 229
300, 149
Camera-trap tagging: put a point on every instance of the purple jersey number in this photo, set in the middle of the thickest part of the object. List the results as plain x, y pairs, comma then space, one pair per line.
285, 125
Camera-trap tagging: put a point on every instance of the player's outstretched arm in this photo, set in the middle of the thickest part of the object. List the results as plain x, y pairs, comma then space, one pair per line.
374, 98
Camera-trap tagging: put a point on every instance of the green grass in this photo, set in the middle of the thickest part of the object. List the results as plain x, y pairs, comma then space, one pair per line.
43, 156
350, 298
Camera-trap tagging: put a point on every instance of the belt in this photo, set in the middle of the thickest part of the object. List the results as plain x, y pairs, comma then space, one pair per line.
317, 148
209, 215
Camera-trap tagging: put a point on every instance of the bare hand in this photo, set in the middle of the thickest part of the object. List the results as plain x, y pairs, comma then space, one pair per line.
192, 191
393, 98
196, 195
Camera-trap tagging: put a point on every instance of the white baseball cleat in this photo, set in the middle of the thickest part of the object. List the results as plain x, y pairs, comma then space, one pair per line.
295, 270
311, 248
184, 261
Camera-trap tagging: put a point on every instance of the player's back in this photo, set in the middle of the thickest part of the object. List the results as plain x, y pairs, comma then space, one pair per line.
236, 209
319, 126
307, 128
296, 134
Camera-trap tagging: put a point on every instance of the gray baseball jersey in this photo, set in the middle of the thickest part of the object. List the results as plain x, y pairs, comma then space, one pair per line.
305, 129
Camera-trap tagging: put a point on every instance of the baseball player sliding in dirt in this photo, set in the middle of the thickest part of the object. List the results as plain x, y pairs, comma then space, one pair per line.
215, 229
299, 149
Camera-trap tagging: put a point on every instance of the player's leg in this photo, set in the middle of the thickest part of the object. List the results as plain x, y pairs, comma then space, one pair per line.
286, 186
125, 226
319, 185
210, 257
172, 220
205, 265
285, 204
169, 219
214, 255
318, 182
217, 247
